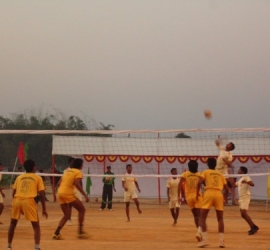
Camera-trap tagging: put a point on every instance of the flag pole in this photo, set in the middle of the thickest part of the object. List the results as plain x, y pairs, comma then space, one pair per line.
12, 176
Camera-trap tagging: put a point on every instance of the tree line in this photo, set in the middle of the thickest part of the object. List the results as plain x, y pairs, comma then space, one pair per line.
39, 146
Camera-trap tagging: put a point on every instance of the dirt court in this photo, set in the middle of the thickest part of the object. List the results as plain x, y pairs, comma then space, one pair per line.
151, 230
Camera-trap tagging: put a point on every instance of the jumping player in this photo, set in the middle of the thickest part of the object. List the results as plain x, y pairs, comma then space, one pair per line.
128, 183
244, 198
67, 198
214, 184
25, 189
224, 161
172, 193
190, 180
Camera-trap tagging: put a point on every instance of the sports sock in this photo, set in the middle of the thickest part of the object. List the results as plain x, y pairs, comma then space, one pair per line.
204, 236
221, 236
199, 229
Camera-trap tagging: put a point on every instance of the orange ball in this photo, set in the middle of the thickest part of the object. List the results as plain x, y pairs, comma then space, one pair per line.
208, 114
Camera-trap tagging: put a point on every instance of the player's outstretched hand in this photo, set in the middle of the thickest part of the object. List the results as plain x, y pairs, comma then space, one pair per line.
45, 214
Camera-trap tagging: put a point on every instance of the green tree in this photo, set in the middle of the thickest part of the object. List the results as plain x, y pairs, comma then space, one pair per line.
40, 146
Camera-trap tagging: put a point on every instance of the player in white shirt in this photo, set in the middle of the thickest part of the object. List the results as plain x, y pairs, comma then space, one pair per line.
244, 198
172, 193
224, 161
128, 183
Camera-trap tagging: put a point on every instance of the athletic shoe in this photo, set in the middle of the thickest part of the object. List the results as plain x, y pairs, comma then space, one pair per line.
253, 230
57, 237
101, 209
221, 244
9, 248
83, 235
202, 244
110, 209
199, 237
69, 222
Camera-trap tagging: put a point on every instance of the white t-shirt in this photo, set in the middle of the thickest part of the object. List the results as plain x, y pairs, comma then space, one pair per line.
223, 154
129, 180
172, 184
243, 188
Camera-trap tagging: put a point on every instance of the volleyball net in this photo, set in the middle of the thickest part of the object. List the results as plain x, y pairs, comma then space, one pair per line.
152, 154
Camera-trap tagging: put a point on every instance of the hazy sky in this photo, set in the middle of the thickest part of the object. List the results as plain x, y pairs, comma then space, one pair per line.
138, 64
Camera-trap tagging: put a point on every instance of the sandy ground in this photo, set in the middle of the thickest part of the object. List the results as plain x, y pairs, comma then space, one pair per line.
150, 230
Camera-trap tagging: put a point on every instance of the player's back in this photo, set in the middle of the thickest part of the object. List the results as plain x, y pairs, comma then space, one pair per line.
28, 185
213, 180
68, 179
191, 181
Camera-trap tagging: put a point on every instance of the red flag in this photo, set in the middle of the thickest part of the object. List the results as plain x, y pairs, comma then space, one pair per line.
20, 153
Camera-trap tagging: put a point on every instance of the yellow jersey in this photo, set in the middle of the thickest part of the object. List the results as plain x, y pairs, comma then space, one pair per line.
191, 182
213, 179
28, 185
68, 179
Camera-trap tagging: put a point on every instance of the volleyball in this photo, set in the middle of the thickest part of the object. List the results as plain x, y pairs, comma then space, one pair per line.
207, 114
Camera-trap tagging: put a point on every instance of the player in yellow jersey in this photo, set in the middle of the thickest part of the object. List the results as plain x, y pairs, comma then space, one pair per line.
77, 193
25, 189
188, 191
66, 198
172, 193
129, 181
214, 185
